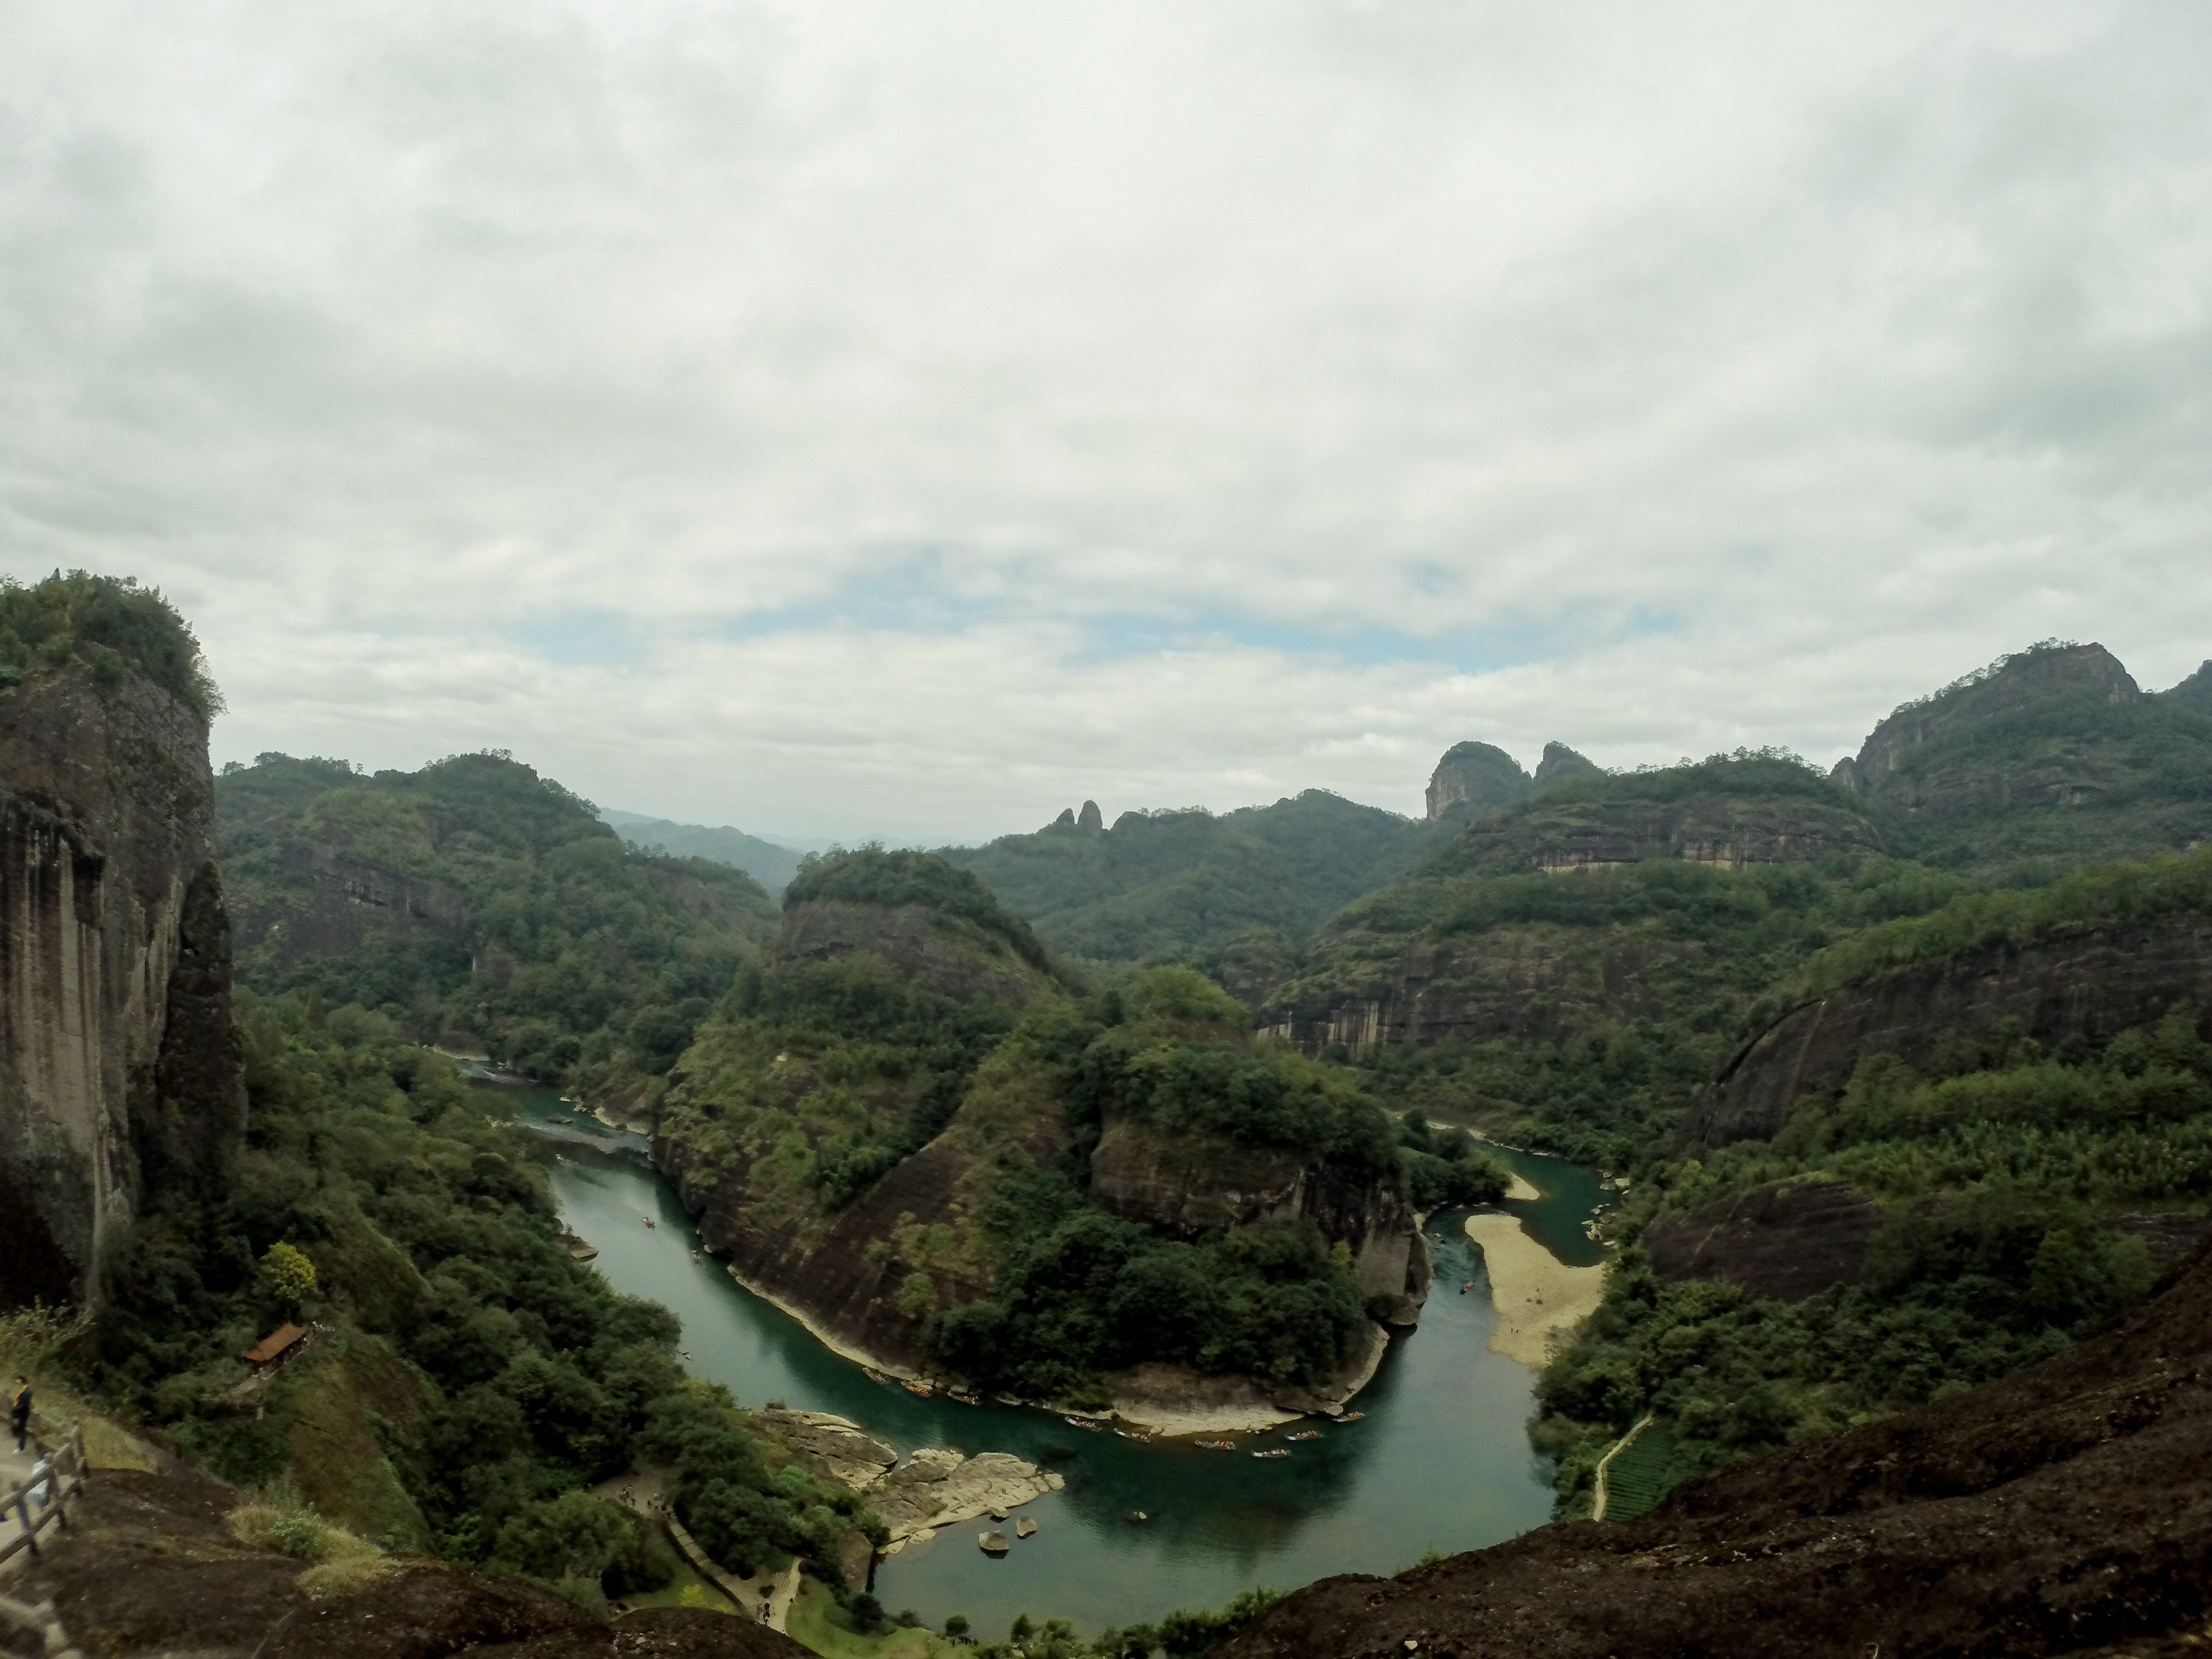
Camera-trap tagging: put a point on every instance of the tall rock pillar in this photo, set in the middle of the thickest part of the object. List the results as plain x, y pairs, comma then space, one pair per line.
120, 1078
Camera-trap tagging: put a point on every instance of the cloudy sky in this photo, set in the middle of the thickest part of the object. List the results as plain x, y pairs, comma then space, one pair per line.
844, 419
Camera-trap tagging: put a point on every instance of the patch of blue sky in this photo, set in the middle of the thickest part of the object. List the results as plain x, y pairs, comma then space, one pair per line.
578, 638
1368, 644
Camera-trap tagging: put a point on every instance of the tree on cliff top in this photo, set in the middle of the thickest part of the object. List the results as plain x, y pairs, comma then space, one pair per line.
103, 620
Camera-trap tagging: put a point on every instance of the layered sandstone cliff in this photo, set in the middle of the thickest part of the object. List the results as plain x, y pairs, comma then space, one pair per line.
2091, 980
119, 1071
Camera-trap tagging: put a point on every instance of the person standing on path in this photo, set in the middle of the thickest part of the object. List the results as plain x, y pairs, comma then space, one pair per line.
19, 1410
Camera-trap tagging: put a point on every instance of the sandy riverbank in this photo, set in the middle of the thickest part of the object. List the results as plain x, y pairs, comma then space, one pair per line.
1539, 1298
1521, 1191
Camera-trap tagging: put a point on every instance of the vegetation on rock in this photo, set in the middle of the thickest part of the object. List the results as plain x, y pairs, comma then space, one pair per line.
108, 622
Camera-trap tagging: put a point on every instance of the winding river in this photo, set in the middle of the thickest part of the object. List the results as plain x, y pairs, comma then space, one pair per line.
1440, 1460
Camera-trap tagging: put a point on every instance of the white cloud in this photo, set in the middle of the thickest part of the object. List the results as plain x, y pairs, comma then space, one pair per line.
909, 419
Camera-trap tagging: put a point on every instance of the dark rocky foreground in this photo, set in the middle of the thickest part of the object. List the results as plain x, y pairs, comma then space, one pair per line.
2066, 1509
148, 1567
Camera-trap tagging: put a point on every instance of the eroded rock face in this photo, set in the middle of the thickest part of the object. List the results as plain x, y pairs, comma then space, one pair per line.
1472, 779
1186, 1185
1962, 789
835, 1447
2092, 981
120, 1061
1527, 982
1787, 1240
1730, 832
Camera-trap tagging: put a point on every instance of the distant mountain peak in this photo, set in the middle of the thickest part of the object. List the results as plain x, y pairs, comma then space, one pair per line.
1474, 778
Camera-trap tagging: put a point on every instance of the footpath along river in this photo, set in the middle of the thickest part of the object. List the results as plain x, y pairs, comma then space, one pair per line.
1440, 1459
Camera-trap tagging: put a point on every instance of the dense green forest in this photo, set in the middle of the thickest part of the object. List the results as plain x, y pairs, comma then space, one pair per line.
502, 908
1174, 883
469, 1380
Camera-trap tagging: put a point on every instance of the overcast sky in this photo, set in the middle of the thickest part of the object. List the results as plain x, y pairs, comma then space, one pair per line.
842, 419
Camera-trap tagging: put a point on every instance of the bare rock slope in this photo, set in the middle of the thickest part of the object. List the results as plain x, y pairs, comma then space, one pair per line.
120, 1067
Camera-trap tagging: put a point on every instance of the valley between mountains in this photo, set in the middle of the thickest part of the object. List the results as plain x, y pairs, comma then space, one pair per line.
1900, 1068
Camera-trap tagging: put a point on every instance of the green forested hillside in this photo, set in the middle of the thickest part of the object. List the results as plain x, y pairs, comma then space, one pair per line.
2016, 1185
767, 863
1578, 969
468, 1380
2044, 761
475, 897
1159, 882
896, 1120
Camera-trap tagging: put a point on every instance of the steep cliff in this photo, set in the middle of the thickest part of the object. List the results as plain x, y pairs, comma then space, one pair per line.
2080, 979
1467, 951
120, 1072
1473, 778
2047, 758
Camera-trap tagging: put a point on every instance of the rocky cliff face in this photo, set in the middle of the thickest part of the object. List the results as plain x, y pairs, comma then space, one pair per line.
1186, 1185
1531, 983
1924, 759
2091, 982
1788, 1239
119, 1073
1374, 977
1730, 832
1473, 778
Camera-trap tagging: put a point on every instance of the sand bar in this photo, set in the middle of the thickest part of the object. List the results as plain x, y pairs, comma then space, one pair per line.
1539, 1299
1521, 1189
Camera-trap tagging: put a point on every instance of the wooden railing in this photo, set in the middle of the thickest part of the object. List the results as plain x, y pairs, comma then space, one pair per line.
31, 1506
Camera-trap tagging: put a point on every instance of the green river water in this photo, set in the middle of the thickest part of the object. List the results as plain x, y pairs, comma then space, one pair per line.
1441, 1459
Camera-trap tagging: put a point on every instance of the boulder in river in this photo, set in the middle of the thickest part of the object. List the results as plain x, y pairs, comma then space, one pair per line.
1025, 1526
993, 1543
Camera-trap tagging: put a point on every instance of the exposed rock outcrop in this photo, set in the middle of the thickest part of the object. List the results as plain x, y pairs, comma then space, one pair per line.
1473, 778
2090, 980
119, 1062
940, 1488
1788, 1240
1186, 1185
1090, 820
149, 1565
1561, 763
1889, 767
1731, 832
2059, 1511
